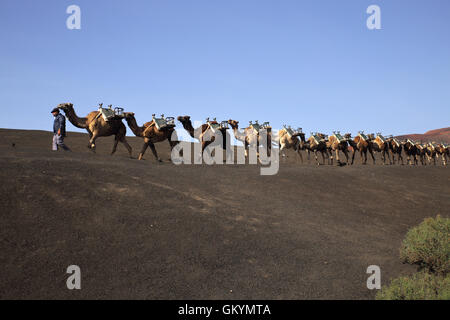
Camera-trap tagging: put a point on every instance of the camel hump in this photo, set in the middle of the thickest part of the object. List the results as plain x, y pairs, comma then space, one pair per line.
149, 124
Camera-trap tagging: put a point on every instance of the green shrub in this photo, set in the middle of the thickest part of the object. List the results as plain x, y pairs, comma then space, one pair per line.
420, 286
428, 245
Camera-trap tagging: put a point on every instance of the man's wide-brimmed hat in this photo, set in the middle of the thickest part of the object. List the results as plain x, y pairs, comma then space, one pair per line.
55, 110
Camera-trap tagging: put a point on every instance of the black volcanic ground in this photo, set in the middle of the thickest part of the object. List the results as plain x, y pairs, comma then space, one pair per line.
141, 229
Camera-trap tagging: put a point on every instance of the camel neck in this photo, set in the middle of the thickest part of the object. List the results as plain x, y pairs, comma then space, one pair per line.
75, 120
131, 121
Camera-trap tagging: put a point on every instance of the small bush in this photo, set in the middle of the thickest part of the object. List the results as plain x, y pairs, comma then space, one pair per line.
428, 245
420, 286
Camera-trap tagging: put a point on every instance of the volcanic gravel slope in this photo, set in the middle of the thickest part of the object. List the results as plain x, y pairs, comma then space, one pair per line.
148, 230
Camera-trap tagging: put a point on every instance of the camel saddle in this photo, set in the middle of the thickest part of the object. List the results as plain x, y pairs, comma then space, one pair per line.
163, 122
363, 136
381, 137
396, 142
291, 132
214, 125
338, 137
255, 126
109, 114
317, 138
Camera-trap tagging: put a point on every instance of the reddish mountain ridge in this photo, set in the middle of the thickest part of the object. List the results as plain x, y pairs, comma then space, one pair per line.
437, 135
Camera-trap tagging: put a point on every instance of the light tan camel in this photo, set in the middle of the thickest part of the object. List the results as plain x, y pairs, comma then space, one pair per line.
337, 143
361, 143
289, 139
151, 134
251, 136
97, 126
431, 152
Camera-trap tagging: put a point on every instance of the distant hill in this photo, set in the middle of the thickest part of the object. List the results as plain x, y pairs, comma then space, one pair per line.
437, 135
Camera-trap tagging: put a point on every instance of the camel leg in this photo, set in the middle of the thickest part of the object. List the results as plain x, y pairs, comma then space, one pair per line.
144, 147
246, 149
346, 154
373, 157
155, 154
337, 157
300, 154
283, 155
92, 142
315, 155
172, 143
323, 157
116, 141
124, 141
353, 155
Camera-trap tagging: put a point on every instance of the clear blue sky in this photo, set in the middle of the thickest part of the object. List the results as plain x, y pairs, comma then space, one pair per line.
312, 63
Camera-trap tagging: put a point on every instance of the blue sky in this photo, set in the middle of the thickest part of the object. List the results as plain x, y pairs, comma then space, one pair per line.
312, 64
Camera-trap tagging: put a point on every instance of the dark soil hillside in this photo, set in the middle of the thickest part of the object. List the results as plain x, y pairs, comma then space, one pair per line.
142, 229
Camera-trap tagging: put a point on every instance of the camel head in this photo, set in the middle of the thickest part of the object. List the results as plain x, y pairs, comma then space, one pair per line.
348, 136
184, 119
128, 115
65, 106
233, 123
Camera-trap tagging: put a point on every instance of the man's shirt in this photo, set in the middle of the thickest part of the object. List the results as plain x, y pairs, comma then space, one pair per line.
60, 123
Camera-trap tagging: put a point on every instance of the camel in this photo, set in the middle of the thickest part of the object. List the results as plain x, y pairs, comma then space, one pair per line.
379, 144
411, 151
395, 148
251, 135
97, 126
204, 133
443, 151
360, 143
335, 143
431, 152
421, 151
317, 143
288, 139
151, 133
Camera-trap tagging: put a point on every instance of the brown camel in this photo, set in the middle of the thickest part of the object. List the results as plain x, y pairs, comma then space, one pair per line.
431, 152
421, 151
204, 134
443, 151
288, 139
251, 136
379, 144
337, 143
395, 147
361, 143
411, 151
97, 126
317, 143
153, 131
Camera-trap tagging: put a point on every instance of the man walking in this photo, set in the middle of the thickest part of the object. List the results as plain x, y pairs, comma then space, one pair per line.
59, 130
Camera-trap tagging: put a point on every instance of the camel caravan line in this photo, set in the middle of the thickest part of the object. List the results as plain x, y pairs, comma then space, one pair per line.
108, 122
